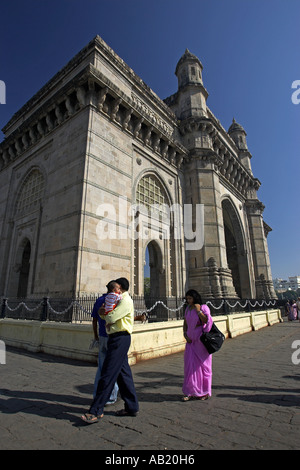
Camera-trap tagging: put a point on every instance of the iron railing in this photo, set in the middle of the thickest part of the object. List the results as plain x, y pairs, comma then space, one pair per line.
79, 310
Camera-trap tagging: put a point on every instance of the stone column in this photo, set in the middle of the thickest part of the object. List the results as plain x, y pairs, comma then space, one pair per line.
260, 252
208, 269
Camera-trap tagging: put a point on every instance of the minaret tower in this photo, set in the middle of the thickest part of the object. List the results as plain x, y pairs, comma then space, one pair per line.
208, 269
192, 94
238, 135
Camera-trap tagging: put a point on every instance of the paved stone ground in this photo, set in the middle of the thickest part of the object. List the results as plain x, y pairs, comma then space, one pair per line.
255, 402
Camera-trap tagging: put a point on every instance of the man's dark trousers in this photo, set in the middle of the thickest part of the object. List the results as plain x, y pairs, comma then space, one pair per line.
116, 368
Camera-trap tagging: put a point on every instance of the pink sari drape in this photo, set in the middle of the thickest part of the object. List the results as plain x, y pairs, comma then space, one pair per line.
197, 361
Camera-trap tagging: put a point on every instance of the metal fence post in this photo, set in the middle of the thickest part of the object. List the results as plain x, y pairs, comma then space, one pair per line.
4, 300
225, 307
44, 315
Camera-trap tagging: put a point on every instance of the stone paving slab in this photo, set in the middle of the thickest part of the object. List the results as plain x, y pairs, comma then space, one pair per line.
255, 403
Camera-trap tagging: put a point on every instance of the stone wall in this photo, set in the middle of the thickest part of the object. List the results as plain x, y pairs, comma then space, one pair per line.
150, 340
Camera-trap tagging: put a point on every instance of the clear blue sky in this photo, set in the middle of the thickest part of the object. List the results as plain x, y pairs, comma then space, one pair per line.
250, 50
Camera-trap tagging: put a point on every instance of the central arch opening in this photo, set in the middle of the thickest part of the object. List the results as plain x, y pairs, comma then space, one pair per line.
24, 271
232, 257
154, 272
236, 252
147, 290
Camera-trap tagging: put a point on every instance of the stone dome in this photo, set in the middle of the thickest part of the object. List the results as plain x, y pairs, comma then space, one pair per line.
185, 57
235, 126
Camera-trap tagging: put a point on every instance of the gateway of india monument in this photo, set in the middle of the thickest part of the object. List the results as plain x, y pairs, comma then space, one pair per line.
95, 169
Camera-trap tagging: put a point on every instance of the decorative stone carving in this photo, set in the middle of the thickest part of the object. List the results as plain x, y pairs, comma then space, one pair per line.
25, 141
164, 148
127, 118
49, 122
32, 135
70, 109
172, 156
147, 136
155, 142
40, 129
254, 206
179, 160
58, 114
137, 127
151, 115
81, 96
115, 108
11, 152
101, 98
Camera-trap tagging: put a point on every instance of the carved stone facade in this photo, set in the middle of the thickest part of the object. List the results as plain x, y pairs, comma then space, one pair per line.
95, 137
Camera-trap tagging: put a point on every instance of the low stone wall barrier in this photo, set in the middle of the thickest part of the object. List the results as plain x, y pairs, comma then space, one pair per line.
149, 340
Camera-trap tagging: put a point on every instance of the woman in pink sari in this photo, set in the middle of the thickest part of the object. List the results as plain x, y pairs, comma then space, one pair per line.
197, 361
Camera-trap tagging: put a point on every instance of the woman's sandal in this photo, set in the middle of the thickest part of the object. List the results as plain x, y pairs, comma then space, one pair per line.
190, 397
186, 398
205, 397
90, 419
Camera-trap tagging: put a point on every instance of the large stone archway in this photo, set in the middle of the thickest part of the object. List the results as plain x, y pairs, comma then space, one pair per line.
236, 250
24, 270
157, 271
20, 271
154, 226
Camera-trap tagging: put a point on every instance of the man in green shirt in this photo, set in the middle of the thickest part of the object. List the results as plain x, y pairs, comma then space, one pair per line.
115, 366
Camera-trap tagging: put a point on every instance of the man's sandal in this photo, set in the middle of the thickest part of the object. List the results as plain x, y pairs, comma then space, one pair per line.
90, 419
126, 413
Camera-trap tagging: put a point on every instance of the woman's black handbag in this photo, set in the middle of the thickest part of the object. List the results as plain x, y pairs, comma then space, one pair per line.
213, 339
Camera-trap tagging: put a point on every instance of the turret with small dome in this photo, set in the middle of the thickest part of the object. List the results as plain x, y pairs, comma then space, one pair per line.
238, 135
189, 70
190, 100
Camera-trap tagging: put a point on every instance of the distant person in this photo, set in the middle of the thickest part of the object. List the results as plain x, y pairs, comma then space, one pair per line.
298, 308
115, 366
294, 310
197, 360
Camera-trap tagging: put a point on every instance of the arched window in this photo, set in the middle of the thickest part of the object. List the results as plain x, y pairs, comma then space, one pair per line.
31, 192
150, 193
153, 226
